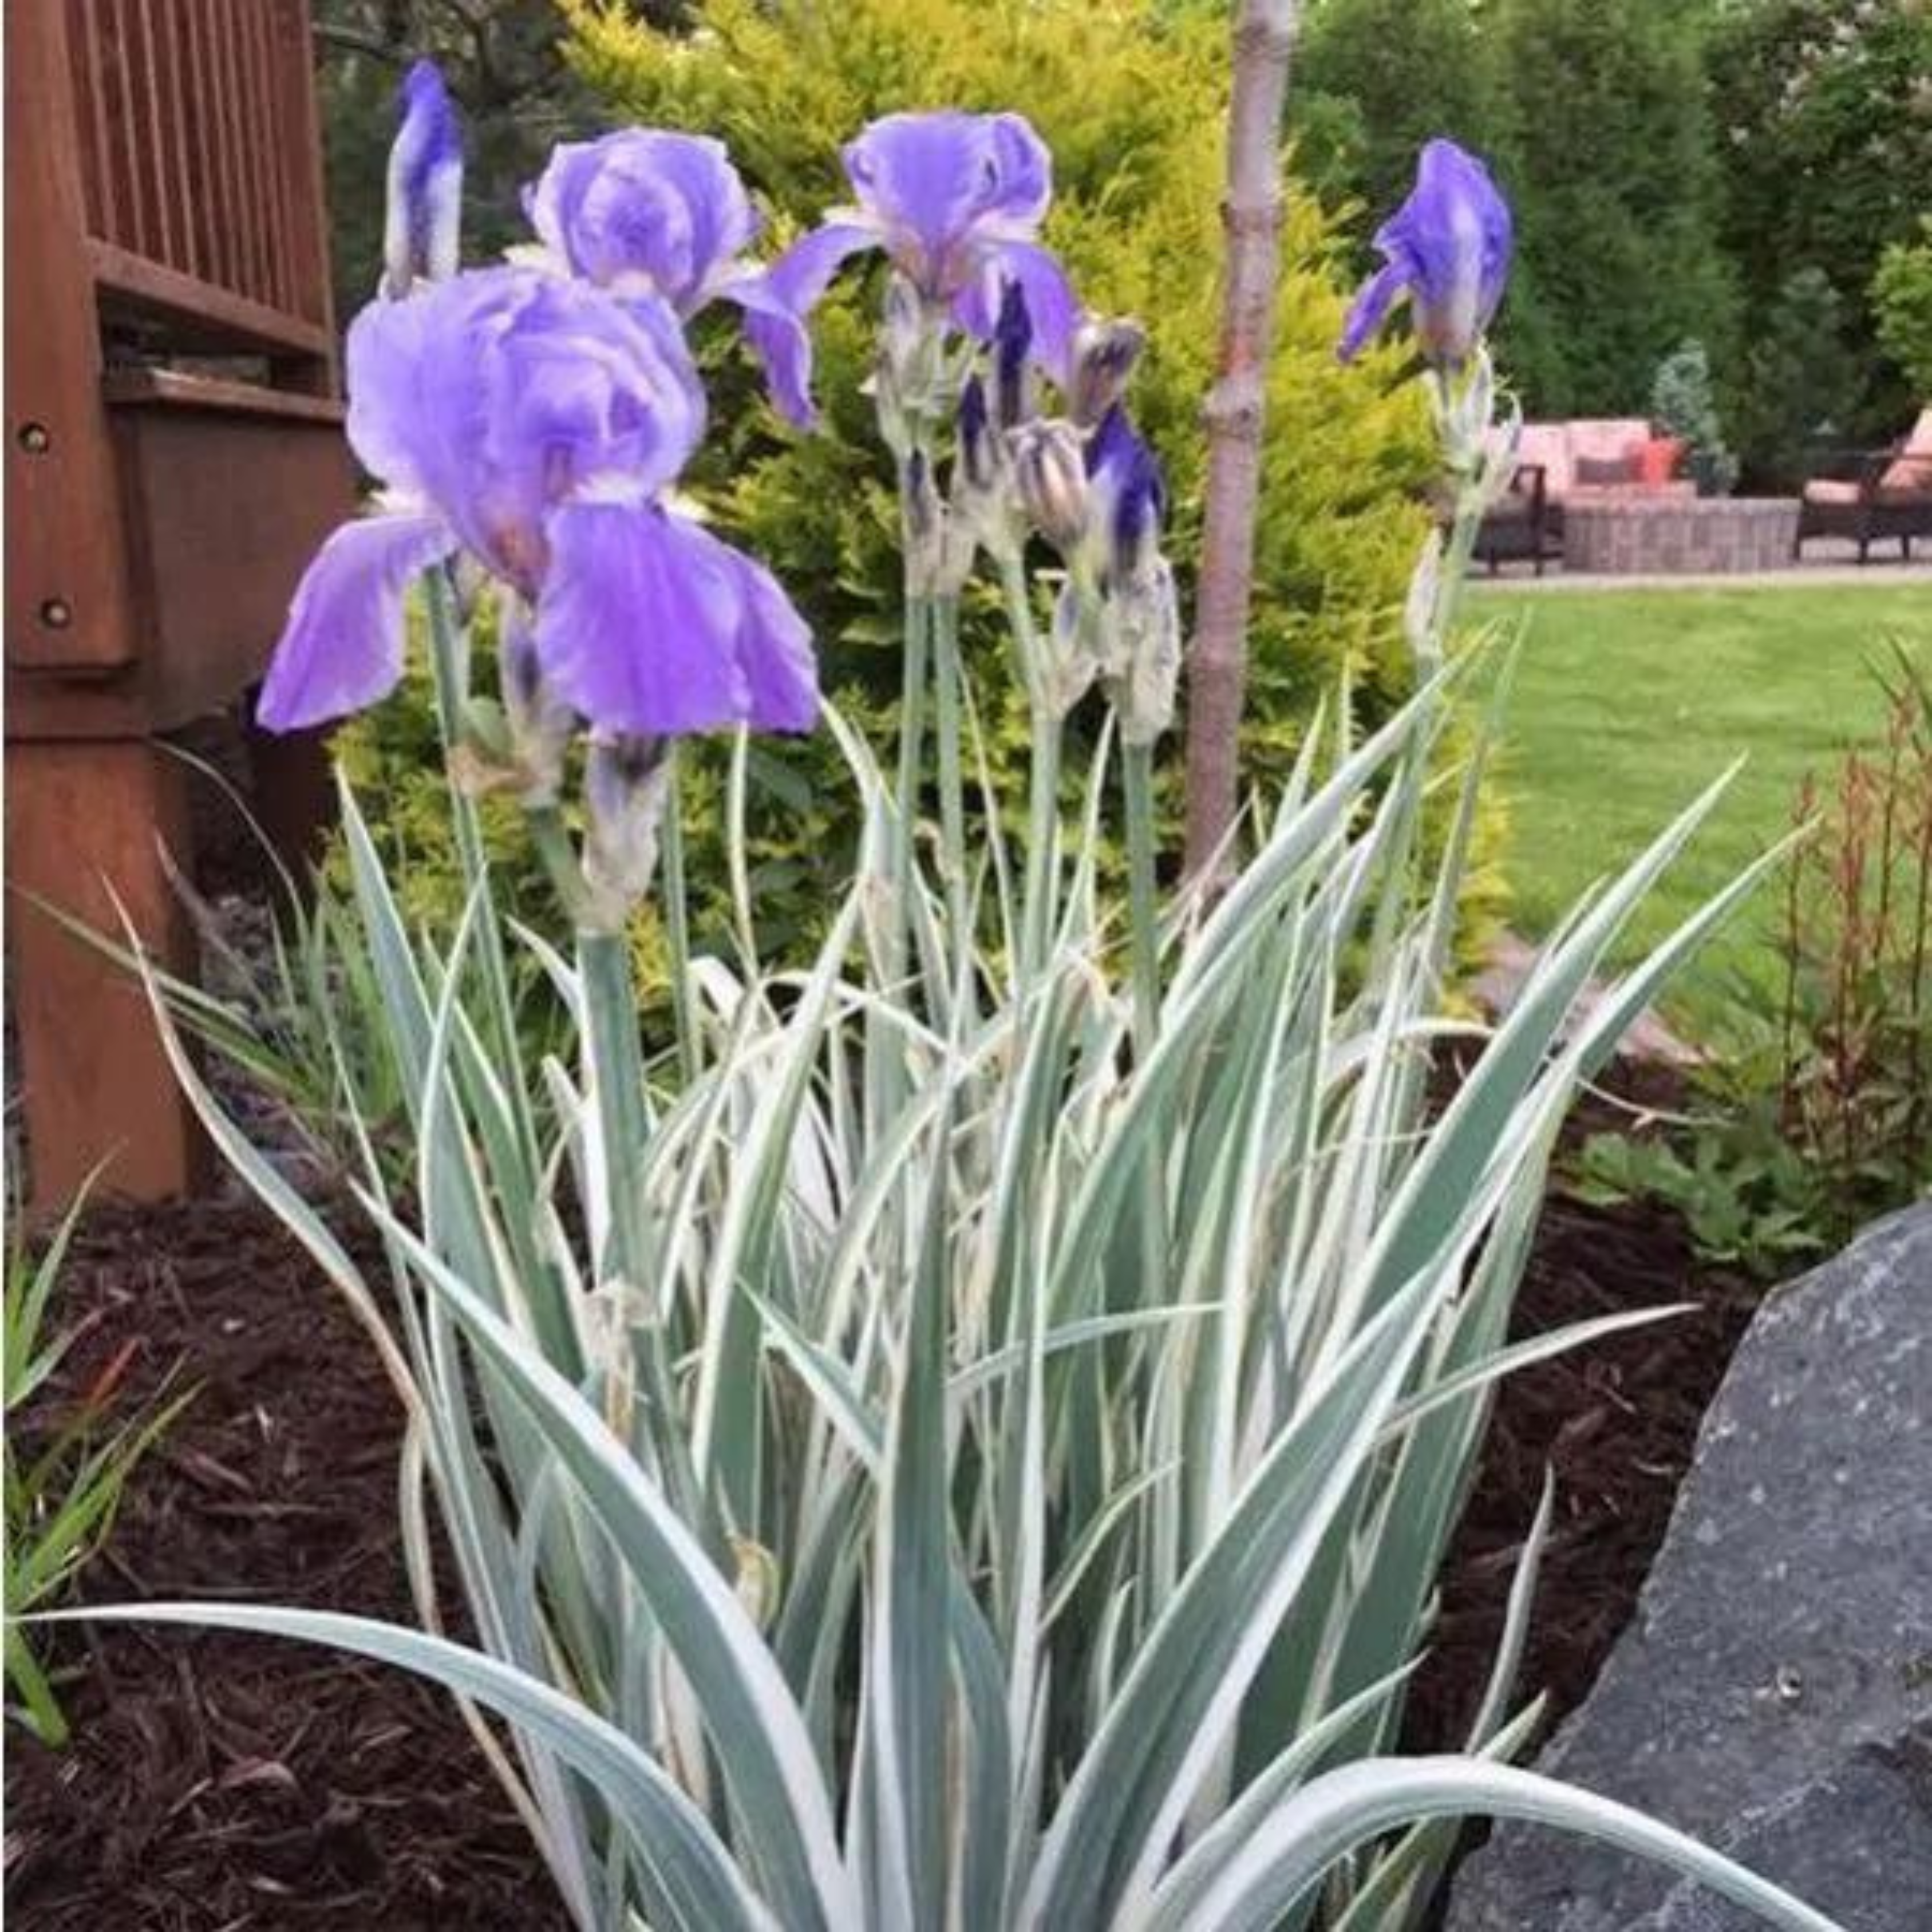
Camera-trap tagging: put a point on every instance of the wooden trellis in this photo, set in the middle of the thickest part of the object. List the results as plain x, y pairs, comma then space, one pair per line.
174, 455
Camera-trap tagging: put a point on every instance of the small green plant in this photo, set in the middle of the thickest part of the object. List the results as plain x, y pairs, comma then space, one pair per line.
1818, 1115
1745, 1195
62, 1483
1684, 404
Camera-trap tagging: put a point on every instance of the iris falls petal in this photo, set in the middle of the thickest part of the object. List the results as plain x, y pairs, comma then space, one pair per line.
343, 646
647, 624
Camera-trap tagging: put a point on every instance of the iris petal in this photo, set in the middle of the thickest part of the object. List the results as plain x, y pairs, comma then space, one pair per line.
1052, 307
1371, 307
1449, 245
776, 303
342, 647
644, 204
648, 625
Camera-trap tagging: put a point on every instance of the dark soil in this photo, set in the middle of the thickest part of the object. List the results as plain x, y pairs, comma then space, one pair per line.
233, 1783
1615, 1422
221, 1783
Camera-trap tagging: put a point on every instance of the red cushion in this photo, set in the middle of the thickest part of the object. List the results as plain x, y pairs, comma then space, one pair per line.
1660, 459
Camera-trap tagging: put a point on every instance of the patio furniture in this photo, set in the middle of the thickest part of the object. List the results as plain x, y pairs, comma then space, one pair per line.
1520, 525
1559, 464
1669, 536
174, 455
1871, 495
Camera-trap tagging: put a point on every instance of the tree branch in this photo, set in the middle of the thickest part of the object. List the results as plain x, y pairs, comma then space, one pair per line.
1251, 214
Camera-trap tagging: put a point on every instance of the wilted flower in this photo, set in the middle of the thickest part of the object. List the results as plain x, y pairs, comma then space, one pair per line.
1103, 357
425, 210
646, 210
626, 783
956, 200
1447, 249
536, 423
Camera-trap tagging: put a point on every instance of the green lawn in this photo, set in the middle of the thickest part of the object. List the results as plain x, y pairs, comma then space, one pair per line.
1626, 703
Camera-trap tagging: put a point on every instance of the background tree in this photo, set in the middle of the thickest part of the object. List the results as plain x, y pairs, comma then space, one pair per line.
504, 62
1826, 111
1375, 79
1901, 296
1802, 383
1610, 156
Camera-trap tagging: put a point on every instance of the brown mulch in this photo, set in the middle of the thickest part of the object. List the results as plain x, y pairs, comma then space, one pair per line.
1615, 1422
229, 1783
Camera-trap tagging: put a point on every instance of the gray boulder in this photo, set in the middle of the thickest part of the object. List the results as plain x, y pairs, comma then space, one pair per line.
1773, 1695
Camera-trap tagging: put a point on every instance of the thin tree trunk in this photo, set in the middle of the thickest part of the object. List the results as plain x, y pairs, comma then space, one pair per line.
1217, 657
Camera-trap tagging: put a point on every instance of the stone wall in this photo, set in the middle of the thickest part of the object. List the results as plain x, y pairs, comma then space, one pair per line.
1717, 534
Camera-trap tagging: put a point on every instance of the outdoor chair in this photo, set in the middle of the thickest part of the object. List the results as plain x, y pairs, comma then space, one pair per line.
1524, 524
1871, 496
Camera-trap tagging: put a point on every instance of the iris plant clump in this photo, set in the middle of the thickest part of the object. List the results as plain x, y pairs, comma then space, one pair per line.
962, 1435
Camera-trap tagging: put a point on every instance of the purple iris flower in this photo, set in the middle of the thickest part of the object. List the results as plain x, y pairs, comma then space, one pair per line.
647, 211
1447, 249
956, 200
424, 207
536, 423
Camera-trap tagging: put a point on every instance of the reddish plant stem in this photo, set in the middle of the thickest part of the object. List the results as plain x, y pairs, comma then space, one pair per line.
1914, 1117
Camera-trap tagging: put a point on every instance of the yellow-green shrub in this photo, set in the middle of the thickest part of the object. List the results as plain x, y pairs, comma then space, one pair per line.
1131, 99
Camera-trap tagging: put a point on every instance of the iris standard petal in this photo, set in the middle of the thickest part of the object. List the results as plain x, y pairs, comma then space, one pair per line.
644, 207
648, 625
944, 185
497, 394
343, 646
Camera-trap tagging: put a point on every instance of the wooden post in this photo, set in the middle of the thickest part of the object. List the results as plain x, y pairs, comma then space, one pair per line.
67, 581
86, 821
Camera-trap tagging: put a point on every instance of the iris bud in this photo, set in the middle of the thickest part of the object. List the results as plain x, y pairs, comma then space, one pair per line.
979, 454
425, 211
1012, 344
1050, 472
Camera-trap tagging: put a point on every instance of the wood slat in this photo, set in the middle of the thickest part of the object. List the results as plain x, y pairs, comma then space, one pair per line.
184, 389
147, 135
262, 142
198, 157
199, 141
209, 314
